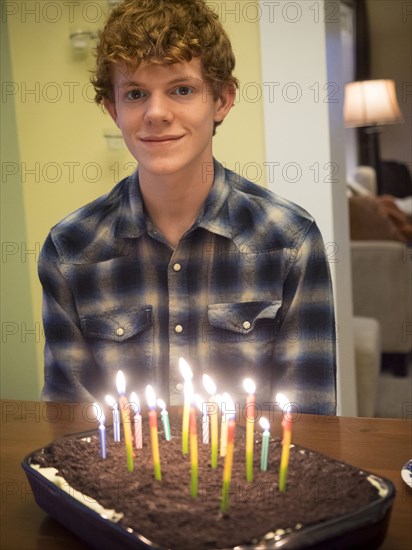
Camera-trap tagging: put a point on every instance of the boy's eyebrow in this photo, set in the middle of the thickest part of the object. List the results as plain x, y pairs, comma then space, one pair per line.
178, 80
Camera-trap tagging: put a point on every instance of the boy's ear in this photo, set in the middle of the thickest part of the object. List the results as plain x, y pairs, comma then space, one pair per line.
111, 109
225, 102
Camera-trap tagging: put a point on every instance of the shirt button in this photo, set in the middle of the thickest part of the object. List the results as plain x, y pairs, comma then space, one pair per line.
178, 329
246, 325
179, 386
177, 267
120, 331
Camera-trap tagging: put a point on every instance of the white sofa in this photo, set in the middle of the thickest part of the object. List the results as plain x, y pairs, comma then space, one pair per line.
381, 270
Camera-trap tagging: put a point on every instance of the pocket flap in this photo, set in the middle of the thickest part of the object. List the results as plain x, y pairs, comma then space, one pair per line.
241, 317
117, 325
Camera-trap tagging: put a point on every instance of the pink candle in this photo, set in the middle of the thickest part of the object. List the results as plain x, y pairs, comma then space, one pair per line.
137, 421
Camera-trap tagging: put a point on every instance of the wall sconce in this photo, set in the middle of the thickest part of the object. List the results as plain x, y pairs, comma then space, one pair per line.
80, 40
114, 140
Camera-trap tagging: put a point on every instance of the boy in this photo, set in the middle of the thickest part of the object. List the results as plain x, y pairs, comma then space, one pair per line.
183, 258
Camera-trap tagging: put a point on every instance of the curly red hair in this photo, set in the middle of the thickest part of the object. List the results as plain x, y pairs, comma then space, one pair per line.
163, 32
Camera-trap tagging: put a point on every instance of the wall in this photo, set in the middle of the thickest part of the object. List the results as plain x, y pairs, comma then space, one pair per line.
58, 159
305, 144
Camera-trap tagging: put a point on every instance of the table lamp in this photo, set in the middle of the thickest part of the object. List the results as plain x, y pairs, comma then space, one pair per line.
371, 104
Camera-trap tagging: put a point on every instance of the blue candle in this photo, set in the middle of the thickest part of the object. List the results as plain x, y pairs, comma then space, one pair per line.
116, 417
102, 430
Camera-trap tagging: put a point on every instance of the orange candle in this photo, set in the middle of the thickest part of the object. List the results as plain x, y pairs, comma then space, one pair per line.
286, 440
227, 470
250, 389
151, 402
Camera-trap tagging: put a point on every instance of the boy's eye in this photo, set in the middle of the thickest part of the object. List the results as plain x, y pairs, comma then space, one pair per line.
183, 90
135, 94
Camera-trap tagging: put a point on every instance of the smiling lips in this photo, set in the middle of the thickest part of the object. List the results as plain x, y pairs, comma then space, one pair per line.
159, 139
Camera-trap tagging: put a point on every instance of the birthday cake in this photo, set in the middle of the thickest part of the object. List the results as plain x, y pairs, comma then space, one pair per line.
325, 502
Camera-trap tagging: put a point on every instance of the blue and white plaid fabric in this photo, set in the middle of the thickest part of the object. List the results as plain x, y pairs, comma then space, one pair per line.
246, 293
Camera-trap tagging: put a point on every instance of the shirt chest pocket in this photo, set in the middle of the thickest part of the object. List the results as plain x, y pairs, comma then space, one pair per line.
122, 325
243, 318
240, 339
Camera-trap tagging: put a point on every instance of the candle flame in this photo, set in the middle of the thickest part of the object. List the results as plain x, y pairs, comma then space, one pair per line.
185, 369
110, 401
264, 423
151, 397
282, 400
209, 385
161, 404
249, 385
99, 413
134, 402
120, 383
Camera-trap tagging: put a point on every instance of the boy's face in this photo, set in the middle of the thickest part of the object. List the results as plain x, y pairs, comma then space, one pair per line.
166, 114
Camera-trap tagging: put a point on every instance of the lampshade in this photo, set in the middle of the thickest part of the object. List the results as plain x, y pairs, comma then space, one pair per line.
370, 103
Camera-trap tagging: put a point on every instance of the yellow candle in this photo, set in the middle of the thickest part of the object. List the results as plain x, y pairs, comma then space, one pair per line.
227, 470
187, 374
286, 440
151, 401
223, 427
125, 412
193, 452
210, 387
250, 388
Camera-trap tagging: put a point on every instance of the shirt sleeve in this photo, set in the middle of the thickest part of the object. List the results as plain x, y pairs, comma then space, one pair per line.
70, 372
305, 351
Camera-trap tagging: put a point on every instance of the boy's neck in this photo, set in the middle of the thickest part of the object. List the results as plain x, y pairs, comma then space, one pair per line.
174, 202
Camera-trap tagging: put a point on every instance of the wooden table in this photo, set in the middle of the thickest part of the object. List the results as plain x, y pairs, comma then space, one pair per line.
381, 446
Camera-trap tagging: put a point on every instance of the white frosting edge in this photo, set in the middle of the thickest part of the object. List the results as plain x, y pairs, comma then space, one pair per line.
377, 483
51, 475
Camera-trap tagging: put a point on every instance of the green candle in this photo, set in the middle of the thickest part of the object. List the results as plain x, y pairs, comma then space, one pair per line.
165, 419
265, 444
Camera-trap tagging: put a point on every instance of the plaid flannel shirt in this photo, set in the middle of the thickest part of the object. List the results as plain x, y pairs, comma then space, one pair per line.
246, 293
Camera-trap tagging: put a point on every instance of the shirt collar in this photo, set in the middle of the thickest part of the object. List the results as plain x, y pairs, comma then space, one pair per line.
132, 222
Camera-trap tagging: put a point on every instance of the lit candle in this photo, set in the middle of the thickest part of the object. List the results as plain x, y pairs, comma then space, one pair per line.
137, 424
165, 419
264, 423
102, 430
124, 408
116, 420
227, 470
205, 419
151, 401
224, 424
286, 440
193, 451
210, 387
250, 389
187, 374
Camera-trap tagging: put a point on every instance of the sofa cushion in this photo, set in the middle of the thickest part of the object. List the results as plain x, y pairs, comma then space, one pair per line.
369, 220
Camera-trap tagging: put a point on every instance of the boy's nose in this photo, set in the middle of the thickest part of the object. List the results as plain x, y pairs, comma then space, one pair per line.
158, 109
